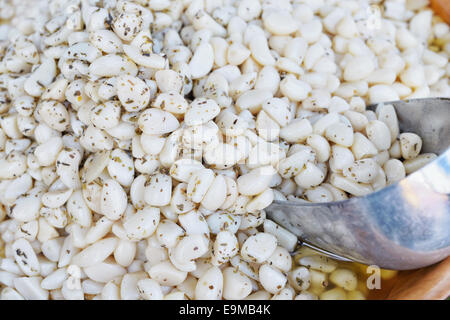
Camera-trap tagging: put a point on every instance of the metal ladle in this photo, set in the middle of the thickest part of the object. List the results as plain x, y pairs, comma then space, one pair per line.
403, 226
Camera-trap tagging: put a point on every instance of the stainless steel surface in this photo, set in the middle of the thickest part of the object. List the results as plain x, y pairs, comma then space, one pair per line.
403, 226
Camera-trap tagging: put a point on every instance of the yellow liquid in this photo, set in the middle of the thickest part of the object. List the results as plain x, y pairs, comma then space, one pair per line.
362, 291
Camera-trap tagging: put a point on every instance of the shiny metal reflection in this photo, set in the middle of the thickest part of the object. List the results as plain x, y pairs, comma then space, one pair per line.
403, 226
